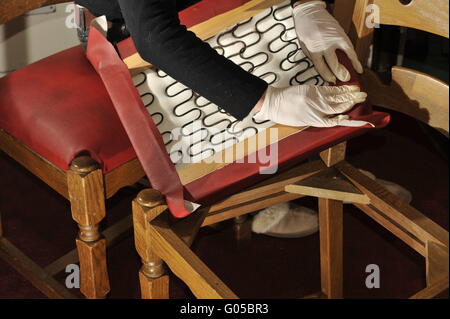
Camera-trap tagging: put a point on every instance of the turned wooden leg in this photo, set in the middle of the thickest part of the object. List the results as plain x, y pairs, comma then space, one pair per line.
153, 280
331, 247
87, 199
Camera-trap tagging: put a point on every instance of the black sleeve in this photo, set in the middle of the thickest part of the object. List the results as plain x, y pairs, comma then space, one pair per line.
163, 41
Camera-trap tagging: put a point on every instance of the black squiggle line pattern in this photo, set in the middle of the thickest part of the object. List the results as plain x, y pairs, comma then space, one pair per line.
265, 45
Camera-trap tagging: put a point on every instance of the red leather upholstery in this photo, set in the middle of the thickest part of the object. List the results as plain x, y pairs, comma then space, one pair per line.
142, 131
60, 108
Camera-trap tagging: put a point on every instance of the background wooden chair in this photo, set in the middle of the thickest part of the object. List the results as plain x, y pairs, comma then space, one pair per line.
418, 95
413, 93
64, 94
159, 239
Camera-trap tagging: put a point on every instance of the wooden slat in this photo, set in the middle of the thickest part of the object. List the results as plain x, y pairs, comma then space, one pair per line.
262, 195
33, 272
211, 27
413, 93
328, 185
395, 228
185, 264
270, 186
248, 207
331, 247
327, 193
429, 16
408, 217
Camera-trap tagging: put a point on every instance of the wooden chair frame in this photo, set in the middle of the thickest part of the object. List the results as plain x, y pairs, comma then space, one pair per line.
160, 240
86, 187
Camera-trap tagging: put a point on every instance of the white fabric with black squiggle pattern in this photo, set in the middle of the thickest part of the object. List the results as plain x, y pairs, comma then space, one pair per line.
265, 45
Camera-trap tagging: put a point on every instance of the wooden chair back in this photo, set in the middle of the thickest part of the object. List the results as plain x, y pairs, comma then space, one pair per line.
416, 94
11, 9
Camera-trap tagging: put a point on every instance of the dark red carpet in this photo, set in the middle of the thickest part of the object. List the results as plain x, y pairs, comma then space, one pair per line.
38, 221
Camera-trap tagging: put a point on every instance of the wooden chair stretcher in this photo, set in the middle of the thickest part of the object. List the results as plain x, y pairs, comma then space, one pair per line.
159, 239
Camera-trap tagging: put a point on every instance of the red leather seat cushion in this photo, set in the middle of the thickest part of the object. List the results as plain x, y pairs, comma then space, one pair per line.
59, 108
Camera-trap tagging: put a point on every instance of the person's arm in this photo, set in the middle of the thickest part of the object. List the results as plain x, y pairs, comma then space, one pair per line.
161, 40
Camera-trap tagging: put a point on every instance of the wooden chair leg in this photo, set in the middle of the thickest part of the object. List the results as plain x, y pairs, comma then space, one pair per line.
331, 232
153, 280
331, 247
87, 199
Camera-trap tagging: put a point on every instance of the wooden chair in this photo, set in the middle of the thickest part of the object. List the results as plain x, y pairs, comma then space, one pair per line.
413, 93
81, 178
162, 240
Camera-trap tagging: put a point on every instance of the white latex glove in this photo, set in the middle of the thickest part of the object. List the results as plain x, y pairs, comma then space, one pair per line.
320, 35
310, 105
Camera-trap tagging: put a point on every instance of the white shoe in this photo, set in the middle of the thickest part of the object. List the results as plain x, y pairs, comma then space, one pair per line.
399, 191
286, 220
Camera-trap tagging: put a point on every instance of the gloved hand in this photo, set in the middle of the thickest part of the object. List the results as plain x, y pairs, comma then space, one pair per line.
310, 105
320, 35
